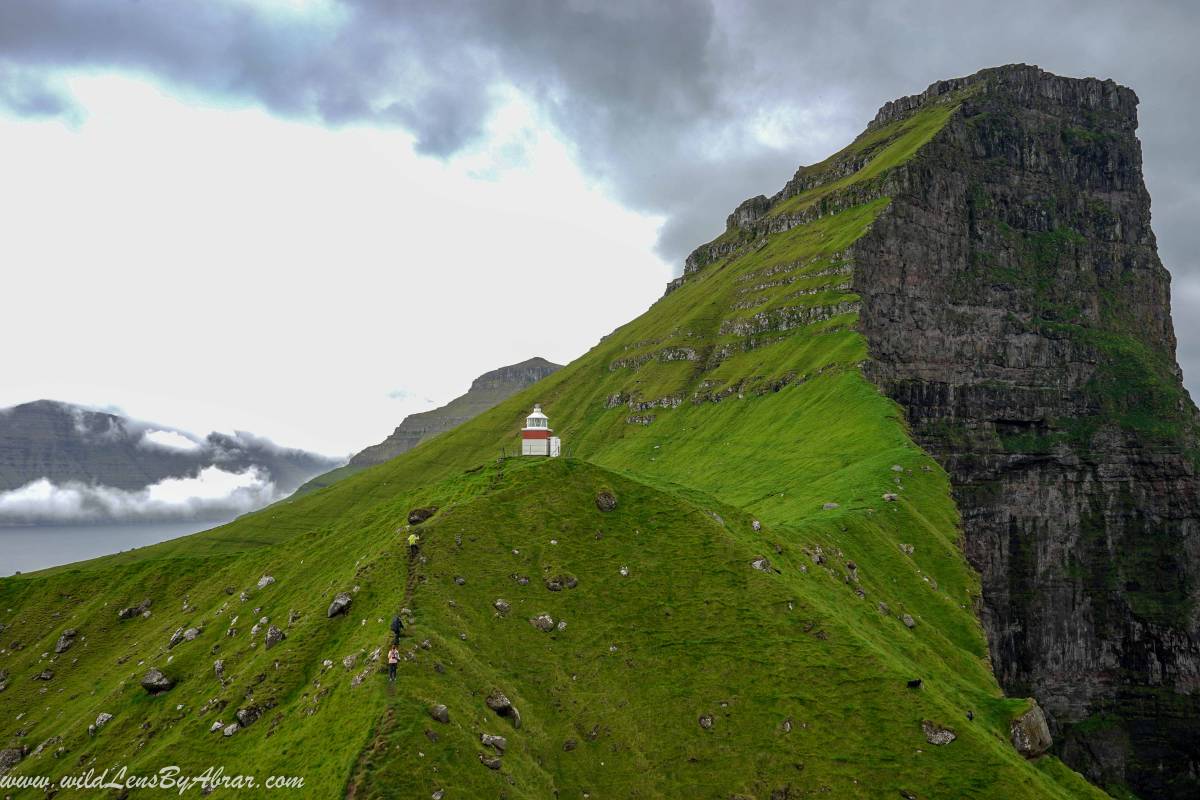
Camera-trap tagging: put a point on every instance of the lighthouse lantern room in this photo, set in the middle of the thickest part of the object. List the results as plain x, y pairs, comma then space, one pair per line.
537, 439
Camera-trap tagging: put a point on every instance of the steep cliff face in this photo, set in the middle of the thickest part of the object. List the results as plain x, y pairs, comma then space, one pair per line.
486, 391
1014, 304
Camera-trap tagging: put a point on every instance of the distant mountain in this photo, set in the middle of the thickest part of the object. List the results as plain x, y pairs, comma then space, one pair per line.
486, 391
63, 462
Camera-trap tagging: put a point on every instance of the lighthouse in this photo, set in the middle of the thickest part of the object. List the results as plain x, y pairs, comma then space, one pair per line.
537, 439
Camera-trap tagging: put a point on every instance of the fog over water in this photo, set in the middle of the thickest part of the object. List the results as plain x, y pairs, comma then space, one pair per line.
25, 548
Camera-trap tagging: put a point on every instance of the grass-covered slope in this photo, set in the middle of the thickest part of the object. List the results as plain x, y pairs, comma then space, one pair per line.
732, 423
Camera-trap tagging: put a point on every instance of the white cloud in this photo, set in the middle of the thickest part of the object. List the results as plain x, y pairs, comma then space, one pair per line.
168, 440
214, 492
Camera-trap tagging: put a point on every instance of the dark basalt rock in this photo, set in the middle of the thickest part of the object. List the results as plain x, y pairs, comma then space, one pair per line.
419, 515
606, 500
1014, 304
340, 605
155, 682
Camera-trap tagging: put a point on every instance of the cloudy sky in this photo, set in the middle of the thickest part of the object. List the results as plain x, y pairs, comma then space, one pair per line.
307, 218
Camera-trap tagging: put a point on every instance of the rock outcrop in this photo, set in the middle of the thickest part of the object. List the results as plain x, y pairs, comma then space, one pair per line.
1015, 306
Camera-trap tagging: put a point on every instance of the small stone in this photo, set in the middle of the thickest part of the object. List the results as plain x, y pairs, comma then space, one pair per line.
134, 611
216, 726
349, 661
499, 703
501, 605
440, 713
491, 762
44, 675
830, 506
908, 621
460, 580
340, 605
569, 745
103, 720
543, 622
907, 549
706, 721
897, 468
624, 571
606, 500
883, 608
936, 734
265, 581
230, 729
889, 497
761, 564
438, 795
915, 683
219, 668
562, 625
756, 525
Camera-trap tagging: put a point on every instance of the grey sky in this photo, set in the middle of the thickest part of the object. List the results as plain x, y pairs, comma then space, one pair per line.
679, 109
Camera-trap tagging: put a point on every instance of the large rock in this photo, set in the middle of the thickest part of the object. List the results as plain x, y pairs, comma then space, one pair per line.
66, 640
1030, 733
606, 500
9, 758
130, 612
498, 743
440, 713
340, 605
274, 636
419, 515
937, 734
543, 622
155, 682
248, 716
497, 701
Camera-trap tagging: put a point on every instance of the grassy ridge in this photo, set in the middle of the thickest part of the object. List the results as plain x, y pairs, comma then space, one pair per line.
737, 398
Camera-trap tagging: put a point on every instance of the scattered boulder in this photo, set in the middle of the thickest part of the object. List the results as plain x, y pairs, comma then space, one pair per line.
248, 716
216, 726
459, 580
265, 581
219, 668
44, 675
936, 734
3, 680
756, 525
560, 582
499, 703
502, 605
569, 745
897, 468
182, 635
498, 743
491, 762
762, 564
543, 622
884, 608
1030, 733
908, 621
66, 640
907, 549
624, 571
830, 506
274, 636
340, 605
915, 683
134, 611
890, 497
606, 500
561, 626
523, 580
440, 713
155, 682
9, 758
230, 729
102, 720
349, 661
419, 515
706, 721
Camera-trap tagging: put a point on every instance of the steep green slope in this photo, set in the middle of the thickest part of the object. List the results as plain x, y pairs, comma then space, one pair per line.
728, 420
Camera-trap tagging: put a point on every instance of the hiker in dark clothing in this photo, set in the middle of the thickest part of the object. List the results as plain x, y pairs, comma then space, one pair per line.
397, 626
393, 660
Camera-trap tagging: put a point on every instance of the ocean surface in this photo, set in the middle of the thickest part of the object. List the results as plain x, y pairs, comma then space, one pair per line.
25, 548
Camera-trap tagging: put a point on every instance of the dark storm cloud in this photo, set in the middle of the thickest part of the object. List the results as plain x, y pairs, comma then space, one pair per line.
683, 109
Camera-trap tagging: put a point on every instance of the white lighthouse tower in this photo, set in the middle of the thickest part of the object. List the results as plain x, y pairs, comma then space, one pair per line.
537, 439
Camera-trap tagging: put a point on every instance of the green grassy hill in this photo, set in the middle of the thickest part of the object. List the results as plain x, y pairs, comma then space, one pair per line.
733, 424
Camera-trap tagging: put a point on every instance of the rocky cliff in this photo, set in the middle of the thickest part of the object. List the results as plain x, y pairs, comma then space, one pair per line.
486, 391
1015, 306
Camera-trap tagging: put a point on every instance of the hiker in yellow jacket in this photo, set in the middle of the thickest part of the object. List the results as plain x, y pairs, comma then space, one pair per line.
413, 541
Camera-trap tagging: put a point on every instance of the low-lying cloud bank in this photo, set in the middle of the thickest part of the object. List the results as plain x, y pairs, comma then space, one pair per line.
213, 493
